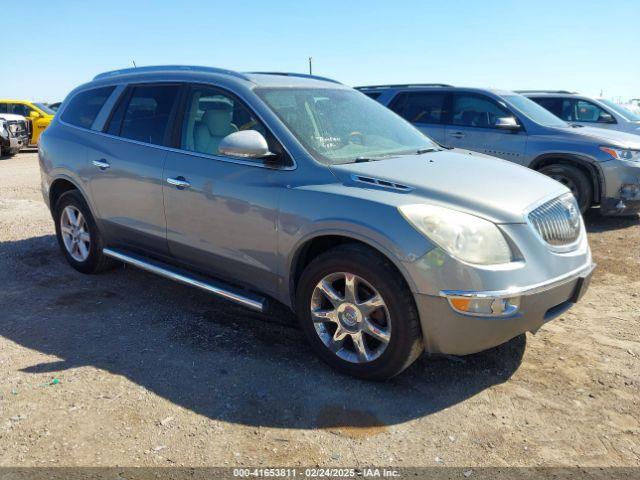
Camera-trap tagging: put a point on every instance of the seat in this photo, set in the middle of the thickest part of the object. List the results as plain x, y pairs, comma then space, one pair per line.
214, 126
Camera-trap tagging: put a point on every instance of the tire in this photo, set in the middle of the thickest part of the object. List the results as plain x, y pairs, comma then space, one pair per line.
575, 180
94, 261
397, 319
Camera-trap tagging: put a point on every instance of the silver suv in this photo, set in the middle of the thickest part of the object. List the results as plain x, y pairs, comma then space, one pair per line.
258, 186
600, 167
588, 112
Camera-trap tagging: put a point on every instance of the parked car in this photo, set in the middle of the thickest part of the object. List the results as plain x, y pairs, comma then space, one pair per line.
14, 134
295, 188
600, 167
55, 106
38, 113
589, 112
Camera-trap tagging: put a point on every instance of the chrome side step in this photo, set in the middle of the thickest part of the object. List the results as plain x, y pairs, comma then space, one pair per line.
246, 299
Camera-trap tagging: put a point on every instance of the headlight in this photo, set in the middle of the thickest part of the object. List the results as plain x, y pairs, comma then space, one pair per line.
466, 237
622, 154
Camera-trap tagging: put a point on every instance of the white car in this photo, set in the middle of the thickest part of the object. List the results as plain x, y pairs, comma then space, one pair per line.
589, 112
14, 133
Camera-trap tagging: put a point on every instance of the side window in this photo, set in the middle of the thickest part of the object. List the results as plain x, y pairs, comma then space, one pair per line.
477, 111
373, 95
554, 105
85, 106
19, 109
588, 112
210, 115
421, 107
4, 108
146, 116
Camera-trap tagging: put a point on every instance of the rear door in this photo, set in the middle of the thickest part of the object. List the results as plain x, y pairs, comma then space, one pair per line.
425, 110
126, 167
472, 126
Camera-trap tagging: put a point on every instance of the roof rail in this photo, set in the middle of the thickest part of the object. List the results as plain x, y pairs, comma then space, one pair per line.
163, 68
301, 75
546, 91
403, 85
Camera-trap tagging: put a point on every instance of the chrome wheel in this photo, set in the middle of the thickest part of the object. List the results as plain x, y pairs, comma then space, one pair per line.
350, 317
75, 233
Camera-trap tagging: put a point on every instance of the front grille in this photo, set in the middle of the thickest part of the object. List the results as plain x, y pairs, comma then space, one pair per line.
558, 221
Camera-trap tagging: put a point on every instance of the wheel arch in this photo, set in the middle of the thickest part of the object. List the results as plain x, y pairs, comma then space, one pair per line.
587, 166
320, 242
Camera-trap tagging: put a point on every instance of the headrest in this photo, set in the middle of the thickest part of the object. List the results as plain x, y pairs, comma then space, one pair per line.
218, 121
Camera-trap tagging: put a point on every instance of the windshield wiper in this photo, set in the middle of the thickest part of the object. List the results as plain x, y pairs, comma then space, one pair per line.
420, 151
363, 159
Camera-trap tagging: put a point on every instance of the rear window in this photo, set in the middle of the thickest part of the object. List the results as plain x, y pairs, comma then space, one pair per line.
84, 107
420, 107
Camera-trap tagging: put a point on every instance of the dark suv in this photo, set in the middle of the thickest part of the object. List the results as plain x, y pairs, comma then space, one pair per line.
600, 167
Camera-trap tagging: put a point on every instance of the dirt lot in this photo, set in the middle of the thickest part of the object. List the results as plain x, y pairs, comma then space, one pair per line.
126, 368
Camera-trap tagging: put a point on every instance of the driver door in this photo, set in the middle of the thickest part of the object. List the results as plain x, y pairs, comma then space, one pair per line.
221, 211
472, 126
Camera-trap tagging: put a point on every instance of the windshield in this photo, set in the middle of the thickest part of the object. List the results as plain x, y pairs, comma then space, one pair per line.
44, 108
535, 112
620, 110
342, 126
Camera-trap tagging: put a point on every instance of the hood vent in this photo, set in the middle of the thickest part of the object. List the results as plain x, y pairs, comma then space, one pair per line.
381, 183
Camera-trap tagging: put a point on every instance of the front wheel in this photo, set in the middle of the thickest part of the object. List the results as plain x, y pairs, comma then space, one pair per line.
575, 180
358, 313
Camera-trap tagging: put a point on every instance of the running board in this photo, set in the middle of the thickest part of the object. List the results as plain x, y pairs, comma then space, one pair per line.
246, 299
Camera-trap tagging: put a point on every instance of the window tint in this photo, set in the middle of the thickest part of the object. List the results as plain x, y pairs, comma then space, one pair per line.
588, 112
420, 107
373, 95
146, 116
554, 105
4, 108
19, 109
477, 111
85, 106
212, 115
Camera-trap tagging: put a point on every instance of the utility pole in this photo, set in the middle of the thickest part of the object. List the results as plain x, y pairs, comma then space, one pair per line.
310, 65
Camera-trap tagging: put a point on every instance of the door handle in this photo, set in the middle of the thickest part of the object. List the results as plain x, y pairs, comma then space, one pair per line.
457, 134
101, 164
179, 182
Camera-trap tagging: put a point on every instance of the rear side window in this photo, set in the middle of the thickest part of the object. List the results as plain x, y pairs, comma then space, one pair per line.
85, 106
373, 95
420, 107
554, 105
145, 116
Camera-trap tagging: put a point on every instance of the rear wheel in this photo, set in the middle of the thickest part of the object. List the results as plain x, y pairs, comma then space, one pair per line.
574, 179
78, 235
358, 313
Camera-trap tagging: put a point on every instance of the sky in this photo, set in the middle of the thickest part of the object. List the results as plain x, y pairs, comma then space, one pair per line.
588, 46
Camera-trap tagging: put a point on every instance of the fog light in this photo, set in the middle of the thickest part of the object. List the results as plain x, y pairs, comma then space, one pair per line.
630, 191
490, 306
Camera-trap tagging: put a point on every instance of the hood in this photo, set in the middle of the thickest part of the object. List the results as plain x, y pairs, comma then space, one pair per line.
11, 116
605, 136
494, 189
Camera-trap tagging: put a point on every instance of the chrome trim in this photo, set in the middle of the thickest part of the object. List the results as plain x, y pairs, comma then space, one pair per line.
526, 290
178, 182
101, 164
554, 248
235, 160
256, 303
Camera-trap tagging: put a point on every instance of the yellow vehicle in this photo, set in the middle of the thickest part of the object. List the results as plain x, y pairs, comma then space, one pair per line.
39, 114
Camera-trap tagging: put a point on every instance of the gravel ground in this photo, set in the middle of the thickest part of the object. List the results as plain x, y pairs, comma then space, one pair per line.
126, 368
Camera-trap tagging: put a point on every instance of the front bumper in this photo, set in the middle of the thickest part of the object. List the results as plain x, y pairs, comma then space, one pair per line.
622, 193
447, 331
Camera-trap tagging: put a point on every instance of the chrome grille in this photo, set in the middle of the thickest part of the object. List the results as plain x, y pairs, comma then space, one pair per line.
558, 221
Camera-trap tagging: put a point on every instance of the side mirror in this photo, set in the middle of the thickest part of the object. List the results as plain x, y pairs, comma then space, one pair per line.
33, 114
507, 123
246, 143
606, 118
